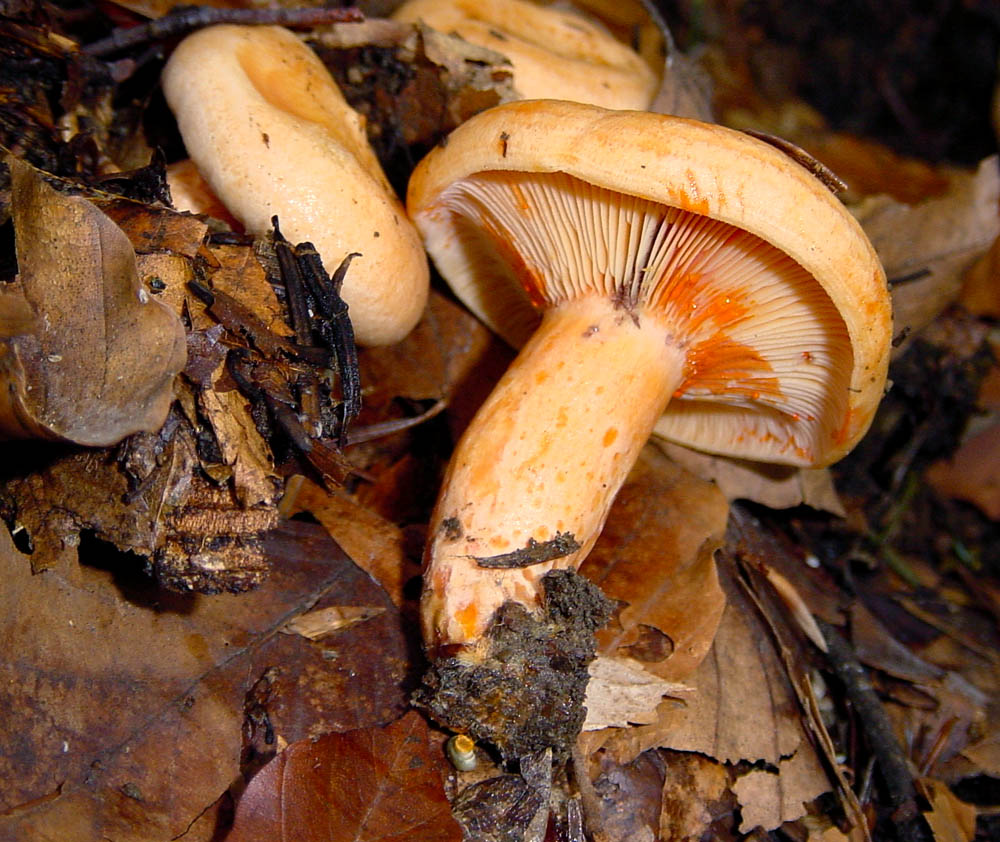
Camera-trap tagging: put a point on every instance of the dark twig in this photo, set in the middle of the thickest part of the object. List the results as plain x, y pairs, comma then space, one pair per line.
875, 724
397, 425
291, 276
184, 19
334, 327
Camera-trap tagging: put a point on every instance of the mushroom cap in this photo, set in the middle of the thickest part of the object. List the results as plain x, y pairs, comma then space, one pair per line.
271, 133
780, 305
554, 53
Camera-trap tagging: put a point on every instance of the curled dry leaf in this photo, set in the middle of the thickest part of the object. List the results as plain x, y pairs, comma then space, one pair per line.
378, 784
97, 361
774, 486
376, 545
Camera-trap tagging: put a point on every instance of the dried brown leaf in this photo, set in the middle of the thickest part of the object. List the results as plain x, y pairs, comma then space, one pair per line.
324, 621
368, 785
656, 556
376, 545
775, 486
951, 819
972, 473
100, 359
243, 449
123, 705
694, 794
621, 693
933, 243
769, 798
742, 706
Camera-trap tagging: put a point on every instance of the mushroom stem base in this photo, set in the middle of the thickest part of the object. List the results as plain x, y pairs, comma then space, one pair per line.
524, 690
531, 482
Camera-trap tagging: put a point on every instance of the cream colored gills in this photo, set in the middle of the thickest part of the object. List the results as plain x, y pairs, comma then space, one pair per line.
544, 458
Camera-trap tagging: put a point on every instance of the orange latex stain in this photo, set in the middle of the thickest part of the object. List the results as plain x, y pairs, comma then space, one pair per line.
692, 304
842, 433
467, 616
522, 201
527, 274
719, 364
609, 436
691, 201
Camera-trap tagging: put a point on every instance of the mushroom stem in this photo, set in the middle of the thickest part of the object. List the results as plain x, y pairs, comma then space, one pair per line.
533, 477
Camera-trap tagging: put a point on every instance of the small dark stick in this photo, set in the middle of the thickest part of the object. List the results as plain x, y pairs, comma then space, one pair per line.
184, 19
291, 275
335, 328
874, 721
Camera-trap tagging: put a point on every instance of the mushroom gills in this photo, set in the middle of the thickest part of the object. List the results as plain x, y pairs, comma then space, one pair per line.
646, 307
767, 356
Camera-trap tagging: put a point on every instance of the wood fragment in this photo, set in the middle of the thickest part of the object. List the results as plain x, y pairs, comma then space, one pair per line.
874, 721
186, 19
562, 544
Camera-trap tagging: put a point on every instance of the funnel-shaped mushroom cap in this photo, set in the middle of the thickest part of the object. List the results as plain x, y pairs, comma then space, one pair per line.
767, 285
555, 53
271, 134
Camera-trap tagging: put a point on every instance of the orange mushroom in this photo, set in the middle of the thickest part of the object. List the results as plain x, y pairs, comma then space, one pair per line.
662, 275
271, 134
555, 52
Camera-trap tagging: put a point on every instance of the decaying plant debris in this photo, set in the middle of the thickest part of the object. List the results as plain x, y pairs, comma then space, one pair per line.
836, 679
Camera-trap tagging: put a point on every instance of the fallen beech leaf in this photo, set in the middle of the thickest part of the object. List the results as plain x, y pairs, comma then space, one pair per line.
153, 229
938, 238
656, 555
741, 707
115, 691
368, 785
100, 360
376, 545
972, 473
951, 819
774, 486
621, 693
769, 798
323, 621
870, 168
695, 791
